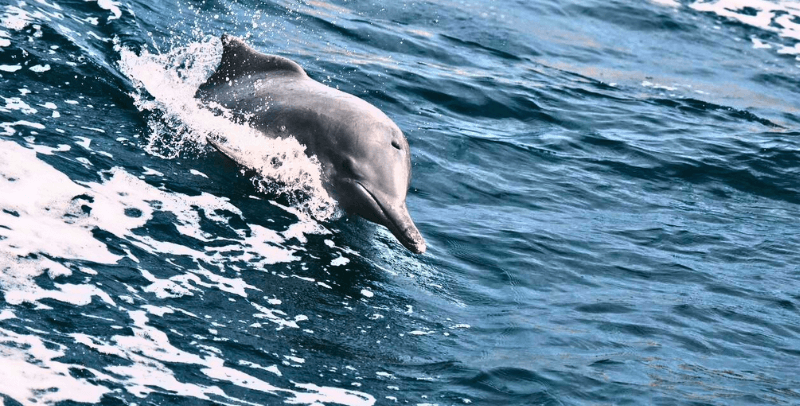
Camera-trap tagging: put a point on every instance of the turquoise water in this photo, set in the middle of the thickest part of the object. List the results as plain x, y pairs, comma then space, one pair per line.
609, 192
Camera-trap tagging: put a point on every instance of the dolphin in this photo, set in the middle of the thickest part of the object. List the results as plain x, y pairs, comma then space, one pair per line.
365, 158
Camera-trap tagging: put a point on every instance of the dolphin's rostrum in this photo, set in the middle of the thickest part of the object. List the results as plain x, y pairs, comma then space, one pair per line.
364, 156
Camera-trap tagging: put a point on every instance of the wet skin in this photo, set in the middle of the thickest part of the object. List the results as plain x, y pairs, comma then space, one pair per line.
364, 156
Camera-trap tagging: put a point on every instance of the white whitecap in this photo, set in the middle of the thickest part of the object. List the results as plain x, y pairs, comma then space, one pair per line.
40, 68
110, 5
198, 173
15, 103
10, 68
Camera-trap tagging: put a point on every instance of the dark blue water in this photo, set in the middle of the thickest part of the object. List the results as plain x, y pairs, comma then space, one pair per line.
609, 192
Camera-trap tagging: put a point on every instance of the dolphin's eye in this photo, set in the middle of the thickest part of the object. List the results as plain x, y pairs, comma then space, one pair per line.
396, 144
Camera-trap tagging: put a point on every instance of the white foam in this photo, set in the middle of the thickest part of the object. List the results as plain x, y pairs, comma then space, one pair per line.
668, 3
95, 129
110, 5
15, 18
31, 376
15, 103
198, 173
8, 128
260, 248
53, 5
319, 394
340, 261
659, 86
151, 172
79, 295
773, 16
795, 50
40, 68
4, 41
272, 369
84, 142
148, 349
42, 216
274, 316
757, 44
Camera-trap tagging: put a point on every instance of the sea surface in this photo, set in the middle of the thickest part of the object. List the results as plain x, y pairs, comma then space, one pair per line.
609, 190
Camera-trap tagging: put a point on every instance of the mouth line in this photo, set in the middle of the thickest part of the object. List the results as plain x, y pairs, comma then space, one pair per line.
395, 229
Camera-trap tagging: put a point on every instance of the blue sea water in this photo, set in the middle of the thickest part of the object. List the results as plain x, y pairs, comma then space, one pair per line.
609, 192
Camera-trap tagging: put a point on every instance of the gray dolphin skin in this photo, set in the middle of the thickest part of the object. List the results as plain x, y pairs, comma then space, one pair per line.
364, 156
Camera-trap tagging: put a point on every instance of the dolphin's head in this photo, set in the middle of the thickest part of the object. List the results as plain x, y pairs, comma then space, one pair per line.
371, 172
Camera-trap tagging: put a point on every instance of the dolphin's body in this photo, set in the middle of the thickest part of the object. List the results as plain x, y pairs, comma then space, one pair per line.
364, 156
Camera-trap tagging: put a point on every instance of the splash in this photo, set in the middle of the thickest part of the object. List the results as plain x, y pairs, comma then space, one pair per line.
181, 124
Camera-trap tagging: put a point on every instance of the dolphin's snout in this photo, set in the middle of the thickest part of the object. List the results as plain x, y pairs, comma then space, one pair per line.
406, 231
395, 217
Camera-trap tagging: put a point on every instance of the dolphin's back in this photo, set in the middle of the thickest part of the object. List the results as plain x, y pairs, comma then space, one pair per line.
270, 91
278, 98
239, 60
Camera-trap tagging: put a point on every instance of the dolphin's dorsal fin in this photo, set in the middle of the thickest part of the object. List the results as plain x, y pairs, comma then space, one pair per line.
238, 60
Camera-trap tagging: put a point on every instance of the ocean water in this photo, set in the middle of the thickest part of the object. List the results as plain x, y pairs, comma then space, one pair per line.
609, 192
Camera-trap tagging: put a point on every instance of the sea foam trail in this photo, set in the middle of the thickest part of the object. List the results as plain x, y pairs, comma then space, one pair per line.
180, 123
47, 221
47, 225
